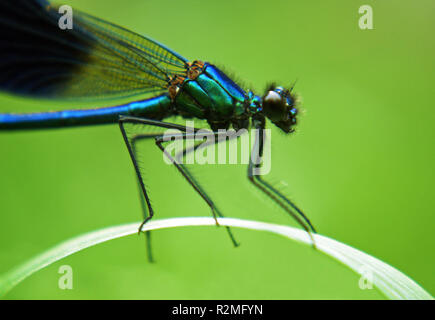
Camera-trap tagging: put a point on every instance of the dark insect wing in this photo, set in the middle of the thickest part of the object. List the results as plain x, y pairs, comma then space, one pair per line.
96, 59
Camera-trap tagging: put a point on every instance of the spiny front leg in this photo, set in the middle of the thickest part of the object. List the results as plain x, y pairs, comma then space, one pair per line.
273, 193
190, 178
182, 169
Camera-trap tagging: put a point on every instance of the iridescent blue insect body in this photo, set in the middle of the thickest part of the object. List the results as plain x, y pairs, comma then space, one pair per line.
97, 59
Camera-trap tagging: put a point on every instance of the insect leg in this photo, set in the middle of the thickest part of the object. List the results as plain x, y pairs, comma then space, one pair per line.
134, 140
185, 173
273, 193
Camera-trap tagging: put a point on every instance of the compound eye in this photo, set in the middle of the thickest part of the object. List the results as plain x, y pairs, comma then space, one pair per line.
278, 106
274, 106
273, 97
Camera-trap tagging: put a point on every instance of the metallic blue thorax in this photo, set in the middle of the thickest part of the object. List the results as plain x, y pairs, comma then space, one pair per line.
210, 94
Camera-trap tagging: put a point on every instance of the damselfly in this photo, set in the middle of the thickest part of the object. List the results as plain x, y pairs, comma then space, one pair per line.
97, 59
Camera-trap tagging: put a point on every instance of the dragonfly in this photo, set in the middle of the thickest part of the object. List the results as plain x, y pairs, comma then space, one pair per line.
97, 60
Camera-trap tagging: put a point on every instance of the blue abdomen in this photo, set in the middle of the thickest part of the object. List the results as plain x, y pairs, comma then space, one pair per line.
155, 108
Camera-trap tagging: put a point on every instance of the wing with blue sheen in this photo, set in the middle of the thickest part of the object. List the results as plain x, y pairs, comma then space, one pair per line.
96, 59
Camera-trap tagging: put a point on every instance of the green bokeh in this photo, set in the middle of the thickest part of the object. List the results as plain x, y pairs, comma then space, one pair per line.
361, 164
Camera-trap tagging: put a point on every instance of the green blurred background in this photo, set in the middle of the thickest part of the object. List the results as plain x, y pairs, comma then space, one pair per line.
361, 164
